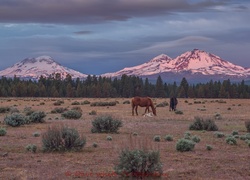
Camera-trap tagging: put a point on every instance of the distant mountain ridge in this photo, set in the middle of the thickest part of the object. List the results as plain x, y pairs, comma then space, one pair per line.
34, 68
194, 65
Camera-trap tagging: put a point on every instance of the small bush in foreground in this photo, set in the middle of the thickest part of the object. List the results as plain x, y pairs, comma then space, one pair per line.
31, 148
139, 164
106, 124
247, 124
72, 114
2, 131
37, 117
183, 145
15, 120
62, 139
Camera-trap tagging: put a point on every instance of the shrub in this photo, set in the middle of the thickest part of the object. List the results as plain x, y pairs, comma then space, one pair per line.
234, 132
178, 112
61, 139
93, 112
14, 110
36, 134
247, 124
37, 117
209, 147
196, 139
197, 124
219, 134
135, 134
187, 135
2, 131
95, 145
58, 103
247, 136
201, 124
28, 111
157, 138
126, 102
59, 110
15, 120
231, 140
4, 109
243, 137
72, 114
168, 138
109, 138
31, 147
139, 164
183, 145
75, 103
106, 124
85, 102
217, 116
103, 103
77, 108
163, 104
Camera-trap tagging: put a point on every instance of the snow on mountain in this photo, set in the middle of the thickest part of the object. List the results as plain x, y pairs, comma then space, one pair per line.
40, 66
156, 65
196, 62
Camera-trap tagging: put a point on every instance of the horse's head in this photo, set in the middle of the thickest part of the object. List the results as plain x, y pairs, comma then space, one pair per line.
154, 110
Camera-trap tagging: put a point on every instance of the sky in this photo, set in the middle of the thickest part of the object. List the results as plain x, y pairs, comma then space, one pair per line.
100, 36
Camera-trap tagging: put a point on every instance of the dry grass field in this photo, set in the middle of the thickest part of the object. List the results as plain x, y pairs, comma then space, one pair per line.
224, 161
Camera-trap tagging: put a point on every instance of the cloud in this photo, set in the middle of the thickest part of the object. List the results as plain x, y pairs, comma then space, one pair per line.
83, 32
162, 46
91, 11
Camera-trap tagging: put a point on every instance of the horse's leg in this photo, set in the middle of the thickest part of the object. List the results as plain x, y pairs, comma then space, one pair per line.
133, 107
146, 109
136, 107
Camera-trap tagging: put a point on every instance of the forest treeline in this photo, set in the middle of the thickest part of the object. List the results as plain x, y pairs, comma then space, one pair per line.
126, 86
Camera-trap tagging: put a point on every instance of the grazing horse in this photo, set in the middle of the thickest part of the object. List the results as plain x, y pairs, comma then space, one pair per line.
142, 102
173, 103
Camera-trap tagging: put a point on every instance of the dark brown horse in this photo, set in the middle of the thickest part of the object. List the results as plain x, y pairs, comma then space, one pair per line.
142, 102
173, 103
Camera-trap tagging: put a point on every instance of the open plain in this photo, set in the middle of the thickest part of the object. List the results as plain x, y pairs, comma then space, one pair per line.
224, 161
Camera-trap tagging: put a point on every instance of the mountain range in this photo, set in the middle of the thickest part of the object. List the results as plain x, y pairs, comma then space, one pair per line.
195, 65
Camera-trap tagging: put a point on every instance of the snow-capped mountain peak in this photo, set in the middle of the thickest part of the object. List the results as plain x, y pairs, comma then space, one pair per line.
41, 66
161, 58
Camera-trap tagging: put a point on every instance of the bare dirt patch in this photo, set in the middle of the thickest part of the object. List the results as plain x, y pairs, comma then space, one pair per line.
224, 161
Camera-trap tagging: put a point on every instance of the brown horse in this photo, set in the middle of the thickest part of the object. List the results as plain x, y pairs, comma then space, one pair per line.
142, 102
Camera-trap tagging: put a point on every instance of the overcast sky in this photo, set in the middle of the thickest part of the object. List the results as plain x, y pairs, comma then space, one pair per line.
99, 36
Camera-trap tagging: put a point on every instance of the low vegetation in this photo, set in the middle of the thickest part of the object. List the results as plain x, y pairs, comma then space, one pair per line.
106, 124
62, 138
